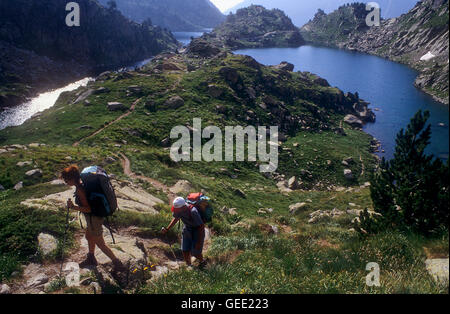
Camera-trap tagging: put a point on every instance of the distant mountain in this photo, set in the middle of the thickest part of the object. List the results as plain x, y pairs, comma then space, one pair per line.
256, 27
39, 51
419, 39
301, 11
176, 15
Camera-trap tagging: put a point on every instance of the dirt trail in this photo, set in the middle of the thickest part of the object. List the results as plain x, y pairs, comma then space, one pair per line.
133, 106
126, 164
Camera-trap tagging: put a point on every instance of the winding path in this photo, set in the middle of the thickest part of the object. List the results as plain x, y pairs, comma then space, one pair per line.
126, 165
133, 106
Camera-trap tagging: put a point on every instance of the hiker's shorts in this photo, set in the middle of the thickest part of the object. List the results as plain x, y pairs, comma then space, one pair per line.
190, 240
94, 225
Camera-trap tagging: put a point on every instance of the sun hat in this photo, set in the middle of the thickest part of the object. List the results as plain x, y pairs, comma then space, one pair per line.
179, 202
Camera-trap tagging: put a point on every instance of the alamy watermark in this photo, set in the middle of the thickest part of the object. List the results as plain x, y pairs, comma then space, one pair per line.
262, 144
374, 16
73, 17
373, 278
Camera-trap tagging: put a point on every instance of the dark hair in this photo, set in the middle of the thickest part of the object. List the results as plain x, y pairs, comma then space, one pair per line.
71, 173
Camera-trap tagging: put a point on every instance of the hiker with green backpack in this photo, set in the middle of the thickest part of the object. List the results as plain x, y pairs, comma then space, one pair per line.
95, 198
194, 213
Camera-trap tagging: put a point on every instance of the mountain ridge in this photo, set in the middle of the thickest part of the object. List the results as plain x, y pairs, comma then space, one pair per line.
418, 39
175, 15
36, 32
301, 11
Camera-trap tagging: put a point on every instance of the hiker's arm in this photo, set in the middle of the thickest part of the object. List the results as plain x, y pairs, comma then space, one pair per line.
172, 223
85, 208
201, 237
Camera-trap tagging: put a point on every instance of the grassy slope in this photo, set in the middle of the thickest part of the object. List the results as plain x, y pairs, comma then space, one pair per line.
303, 258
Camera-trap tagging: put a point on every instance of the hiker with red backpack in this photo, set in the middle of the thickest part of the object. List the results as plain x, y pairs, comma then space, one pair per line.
91, 196
194, 213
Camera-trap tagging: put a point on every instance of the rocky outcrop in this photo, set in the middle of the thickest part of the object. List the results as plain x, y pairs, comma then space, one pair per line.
39, 55
255, 27
419, 39
129, 198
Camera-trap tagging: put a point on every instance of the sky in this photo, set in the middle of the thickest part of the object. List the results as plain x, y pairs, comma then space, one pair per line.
224, 5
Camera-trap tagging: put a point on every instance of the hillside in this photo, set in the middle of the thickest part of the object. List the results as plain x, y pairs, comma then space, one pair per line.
255, 27
418, 39
37, 47
288, 232
175, 15
302, 11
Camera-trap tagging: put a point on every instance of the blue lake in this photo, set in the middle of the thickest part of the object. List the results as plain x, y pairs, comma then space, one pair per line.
387, 85
185, 37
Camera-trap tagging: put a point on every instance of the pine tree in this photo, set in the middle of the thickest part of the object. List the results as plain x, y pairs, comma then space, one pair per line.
411, 191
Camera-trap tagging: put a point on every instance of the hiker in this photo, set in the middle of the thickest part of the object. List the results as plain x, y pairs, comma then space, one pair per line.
193, 235
94, 230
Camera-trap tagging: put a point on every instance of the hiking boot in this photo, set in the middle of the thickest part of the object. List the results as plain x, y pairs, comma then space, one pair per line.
90, 261
202, 264
118, 266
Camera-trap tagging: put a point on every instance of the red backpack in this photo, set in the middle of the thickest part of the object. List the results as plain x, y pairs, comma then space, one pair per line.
194, 199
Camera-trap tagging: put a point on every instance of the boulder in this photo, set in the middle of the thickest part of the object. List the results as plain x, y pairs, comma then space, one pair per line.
24, 163
35, 173
57, 182
353, 121
285, 66
181, 187
2, 188
438, 269
282, 186
18, 186
294, 208
292, 183
116, 106
84, 96
47, 243
165, 142
240, 193
348, 174
174, 102
37, 280
5, 289
101, 90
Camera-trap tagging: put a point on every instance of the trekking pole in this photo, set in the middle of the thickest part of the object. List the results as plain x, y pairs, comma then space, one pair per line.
64, 241
170, 245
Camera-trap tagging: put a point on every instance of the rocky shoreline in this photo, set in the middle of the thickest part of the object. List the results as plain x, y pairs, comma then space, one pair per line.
418, 39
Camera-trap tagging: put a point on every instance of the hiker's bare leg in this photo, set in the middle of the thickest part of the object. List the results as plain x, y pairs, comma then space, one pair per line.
187, 257
105, 249
91, 242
